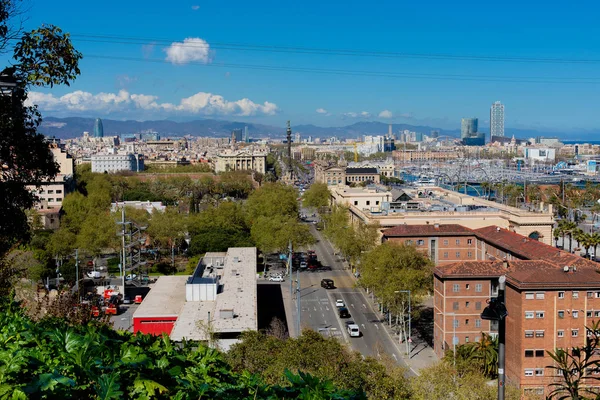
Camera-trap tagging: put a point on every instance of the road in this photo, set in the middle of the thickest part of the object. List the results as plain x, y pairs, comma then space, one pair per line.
320, 314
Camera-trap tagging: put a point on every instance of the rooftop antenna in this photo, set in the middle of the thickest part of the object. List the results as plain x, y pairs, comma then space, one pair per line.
289, 147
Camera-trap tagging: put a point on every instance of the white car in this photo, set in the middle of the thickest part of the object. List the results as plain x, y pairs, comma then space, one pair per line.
276, 278
303, 265
130, 277
339, 303
353, 330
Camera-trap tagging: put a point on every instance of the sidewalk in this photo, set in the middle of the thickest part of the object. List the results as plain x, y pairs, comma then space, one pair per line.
421, 354
290, 312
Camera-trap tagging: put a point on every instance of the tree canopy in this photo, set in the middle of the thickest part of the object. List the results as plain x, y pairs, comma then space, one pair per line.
317, 195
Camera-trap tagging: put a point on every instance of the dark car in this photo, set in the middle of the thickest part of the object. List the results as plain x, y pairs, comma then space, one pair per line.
327, 283
343, 311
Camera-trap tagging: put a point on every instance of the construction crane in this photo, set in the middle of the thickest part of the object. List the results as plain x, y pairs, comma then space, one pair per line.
355, 153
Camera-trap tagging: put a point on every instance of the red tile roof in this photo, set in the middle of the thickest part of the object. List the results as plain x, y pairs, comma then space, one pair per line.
428, 230
524, 274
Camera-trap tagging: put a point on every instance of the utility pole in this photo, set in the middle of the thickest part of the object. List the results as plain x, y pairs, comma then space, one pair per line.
298, 301
124, 260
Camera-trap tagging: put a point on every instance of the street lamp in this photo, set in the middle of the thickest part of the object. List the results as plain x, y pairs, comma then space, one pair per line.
408, 339
496, 311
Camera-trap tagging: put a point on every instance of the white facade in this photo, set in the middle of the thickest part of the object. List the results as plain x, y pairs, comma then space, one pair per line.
51, 193
540, 155
117, 162
241, 160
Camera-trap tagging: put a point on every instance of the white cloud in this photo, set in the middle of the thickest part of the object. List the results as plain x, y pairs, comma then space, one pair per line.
362, 114
191, 49
321, 111
201, 103
195, 8
386, 114
407, 115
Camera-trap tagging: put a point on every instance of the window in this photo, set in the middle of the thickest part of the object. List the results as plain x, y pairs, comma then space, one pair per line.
575, 314
355, 202
50, 191
58, 191
478, 305
529, 296
539, 314
596, 313
58, 198
455, 323
51, 199
455, 305
445, 242
478, 288
467, 321
528, 334
574, 332
477, 323
368, 203
529, 372
420, 242
529, 314
540, 295
590, 294
561, 295
457, 241
377, 202
539, 372
589, 314
408, 242
458, 254
575, 295
466, 339
469, 254
560, 333
539, 333
467, 304
467, 286
455, 287
469, 241
561, 314
528, 353
539, 353
445, 254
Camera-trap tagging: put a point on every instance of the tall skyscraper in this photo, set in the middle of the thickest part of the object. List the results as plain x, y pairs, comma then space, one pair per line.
297, 138
246, 137
497, 119
468, 127
98, 128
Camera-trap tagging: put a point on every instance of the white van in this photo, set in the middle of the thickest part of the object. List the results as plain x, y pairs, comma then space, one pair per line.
353, 330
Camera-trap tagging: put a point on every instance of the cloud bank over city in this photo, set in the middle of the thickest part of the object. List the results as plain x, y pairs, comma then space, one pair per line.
201, 103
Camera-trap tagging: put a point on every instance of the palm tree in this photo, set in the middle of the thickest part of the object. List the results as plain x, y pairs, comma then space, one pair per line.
486, 350
570, 230
595, 242
556, 233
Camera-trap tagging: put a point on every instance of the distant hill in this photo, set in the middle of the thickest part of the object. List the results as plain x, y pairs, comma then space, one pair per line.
74, 126
64, 128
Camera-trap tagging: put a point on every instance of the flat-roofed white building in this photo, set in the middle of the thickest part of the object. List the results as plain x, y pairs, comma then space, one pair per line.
220, 298
241, 160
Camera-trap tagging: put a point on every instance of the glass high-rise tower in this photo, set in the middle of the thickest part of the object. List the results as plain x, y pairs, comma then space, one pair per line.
497, 119
468, 127
98, 128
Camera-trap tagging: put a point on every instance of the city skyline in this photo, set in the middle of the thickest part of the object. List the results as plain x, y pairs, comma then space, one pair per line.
197, 66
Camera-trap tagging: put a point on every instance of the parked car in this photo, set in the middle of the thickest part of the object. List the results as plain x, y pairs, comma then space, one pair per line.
276, 278
303, 265
130, 277
340, 303
93, 274
327, 283
126, 300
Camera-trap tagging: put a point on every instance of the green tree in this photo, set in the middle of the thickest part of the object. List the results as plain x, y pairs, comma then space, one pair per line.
272, 199
166, 228
274, 233
99, 232
392, 267
317, 195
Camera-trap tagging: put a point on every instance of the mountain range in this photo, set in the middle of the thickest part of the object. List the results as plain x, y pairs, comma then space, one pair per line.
71, 127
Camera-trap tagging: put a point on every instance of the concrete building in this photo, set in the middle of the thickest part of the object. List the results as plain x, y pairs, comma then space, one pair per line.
219, 298
149, 206
241, 160
361, 175
433, 205
330, 174
535, 155
117, 162
497, 119
50, 193
409, 156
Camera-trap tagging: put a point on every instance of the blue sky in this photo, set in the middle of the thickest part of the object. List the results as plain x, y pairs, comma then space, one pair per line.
190, 82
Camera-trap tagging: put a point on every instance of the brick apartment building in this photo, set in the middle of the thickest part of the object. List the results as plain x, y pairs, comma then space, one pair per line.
551, 295
549, 306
